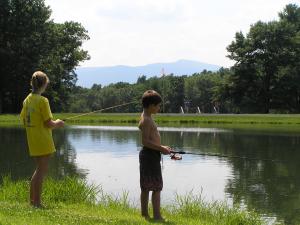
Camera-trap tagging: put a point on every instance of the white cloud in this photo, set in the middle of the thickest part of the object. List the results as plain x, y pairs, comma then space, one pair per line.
138, 32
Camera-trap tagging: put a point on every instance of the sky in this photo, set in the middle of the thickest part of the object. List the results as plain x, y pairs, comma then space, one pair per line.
140, 32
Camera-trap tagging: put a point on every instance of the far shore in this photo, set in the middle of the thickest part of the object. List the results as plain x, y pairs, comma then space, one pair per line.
282, 122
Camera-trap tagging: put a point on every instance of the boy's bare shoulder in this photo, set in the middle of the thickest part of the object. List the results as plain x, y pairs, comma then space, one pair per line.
145, 121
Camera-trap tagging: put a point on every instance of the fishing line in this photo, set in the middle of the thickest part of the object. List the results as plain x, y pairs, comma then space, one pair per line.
99, 110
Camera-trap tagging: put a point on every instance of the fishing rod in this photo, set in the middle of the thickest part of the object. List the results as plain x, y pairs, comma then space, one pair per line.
176, 155
99, 110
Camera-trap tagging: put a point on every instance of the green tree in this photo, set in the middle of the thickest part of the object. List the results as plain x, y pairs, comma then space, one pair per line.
220, 91
175, 97
30, 41
141, 79
261, 61
287, 92
63, 55
23, 26
199, 91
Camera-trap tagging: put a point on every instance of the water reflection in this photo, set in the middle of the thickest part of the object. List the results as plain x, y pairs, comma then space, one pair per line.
13, 156
15, 160
268, 187
109, 156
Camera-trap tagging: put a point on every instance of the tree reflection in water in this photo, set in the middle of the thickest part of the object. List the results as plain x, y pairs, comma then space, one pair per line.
15, 160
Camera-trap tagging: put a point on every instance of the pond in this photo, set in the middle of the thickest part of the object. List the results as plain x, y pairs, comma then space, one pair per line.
260, 174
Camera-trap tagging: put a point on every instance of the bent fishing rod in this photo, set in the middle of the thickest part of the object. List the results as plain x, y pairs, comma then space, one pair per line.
99, 110
176, 155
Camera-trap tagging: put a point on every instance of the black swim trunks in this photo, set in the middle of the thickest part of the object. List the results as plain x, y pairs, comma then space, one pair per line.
150, 170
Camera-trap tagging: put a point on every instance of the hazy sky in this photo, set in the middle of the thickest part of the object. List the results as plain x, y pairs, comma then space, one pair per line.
139, 32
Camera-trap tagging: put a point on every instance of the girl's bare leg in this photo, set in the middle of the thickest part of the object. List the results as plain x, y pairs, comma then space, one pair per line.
37, 179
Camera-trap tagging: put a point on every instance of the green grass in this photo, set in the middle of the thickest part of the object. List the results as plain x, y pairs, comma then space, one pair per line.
179, 119
73, 201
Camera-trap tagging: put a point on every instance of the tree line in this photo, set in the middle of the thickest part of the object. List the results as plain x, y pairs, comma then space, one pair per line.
264, 79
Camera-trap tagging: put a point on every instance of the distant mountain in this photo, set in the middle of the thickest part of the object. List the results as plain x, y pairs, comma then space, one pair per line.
87, 76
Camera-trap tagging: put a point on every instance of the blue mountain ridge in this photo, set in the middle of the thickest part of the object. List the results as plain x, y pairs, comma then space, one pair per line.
87, 76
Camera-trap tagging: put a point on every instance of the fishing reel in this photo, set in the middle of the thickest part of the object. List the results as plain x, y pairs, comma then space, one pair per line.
175, 156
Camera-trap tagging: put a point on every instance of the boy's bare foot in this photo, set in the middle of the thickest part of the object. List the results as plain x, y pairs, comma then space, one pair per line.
159, 219
147, 217
38, 206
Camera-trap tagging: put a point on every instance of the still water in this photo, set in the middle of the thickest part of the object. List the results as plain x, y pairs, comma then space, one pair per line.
108, 156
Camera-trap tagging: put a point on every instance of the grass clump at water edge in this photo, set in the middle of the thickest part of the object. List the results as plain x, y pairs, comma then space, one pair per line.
73, 201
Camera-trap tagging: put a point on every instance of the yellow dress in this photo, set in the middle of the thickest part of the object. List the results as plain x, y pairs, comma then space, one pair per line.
35, 112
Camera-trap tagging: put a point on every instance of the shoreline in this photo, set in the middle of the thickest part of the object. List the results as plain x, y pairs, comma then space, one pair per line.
161, 119
71, 200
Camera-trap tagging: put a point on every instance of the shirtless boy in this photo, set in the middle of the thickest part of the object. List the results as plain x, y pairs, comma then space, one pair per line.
150, 155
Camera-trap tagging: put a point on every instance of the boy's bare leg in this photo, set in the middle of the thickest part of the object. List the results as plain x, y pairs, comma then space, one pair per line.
156, 205
144, 203
37, 179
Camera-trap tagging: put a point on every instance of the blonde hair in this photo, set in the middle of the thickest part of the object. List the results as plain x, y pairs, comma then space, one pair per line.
38, 80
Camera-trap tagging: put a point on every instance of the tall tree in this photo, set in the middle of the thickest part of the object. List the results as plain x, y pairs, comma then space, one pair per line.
30, 41
63, 55
260, 56
23, 26
288, 90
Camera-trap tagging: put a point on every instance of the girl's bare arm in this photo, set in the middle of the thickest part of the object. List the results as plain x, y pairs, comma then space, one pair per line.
54, 123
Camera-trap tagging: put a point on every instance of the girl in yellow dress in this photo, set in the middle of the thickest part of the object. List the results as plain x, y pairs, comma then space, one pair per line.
38, 121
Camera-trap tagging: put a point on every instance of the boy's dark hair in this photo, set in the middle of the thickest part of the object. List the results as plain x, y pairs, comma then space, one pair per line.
151, 97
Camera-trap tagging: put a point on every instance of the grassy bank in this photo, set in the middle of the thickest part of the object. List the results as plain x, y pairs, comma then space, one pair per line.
179, 119
72, 201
